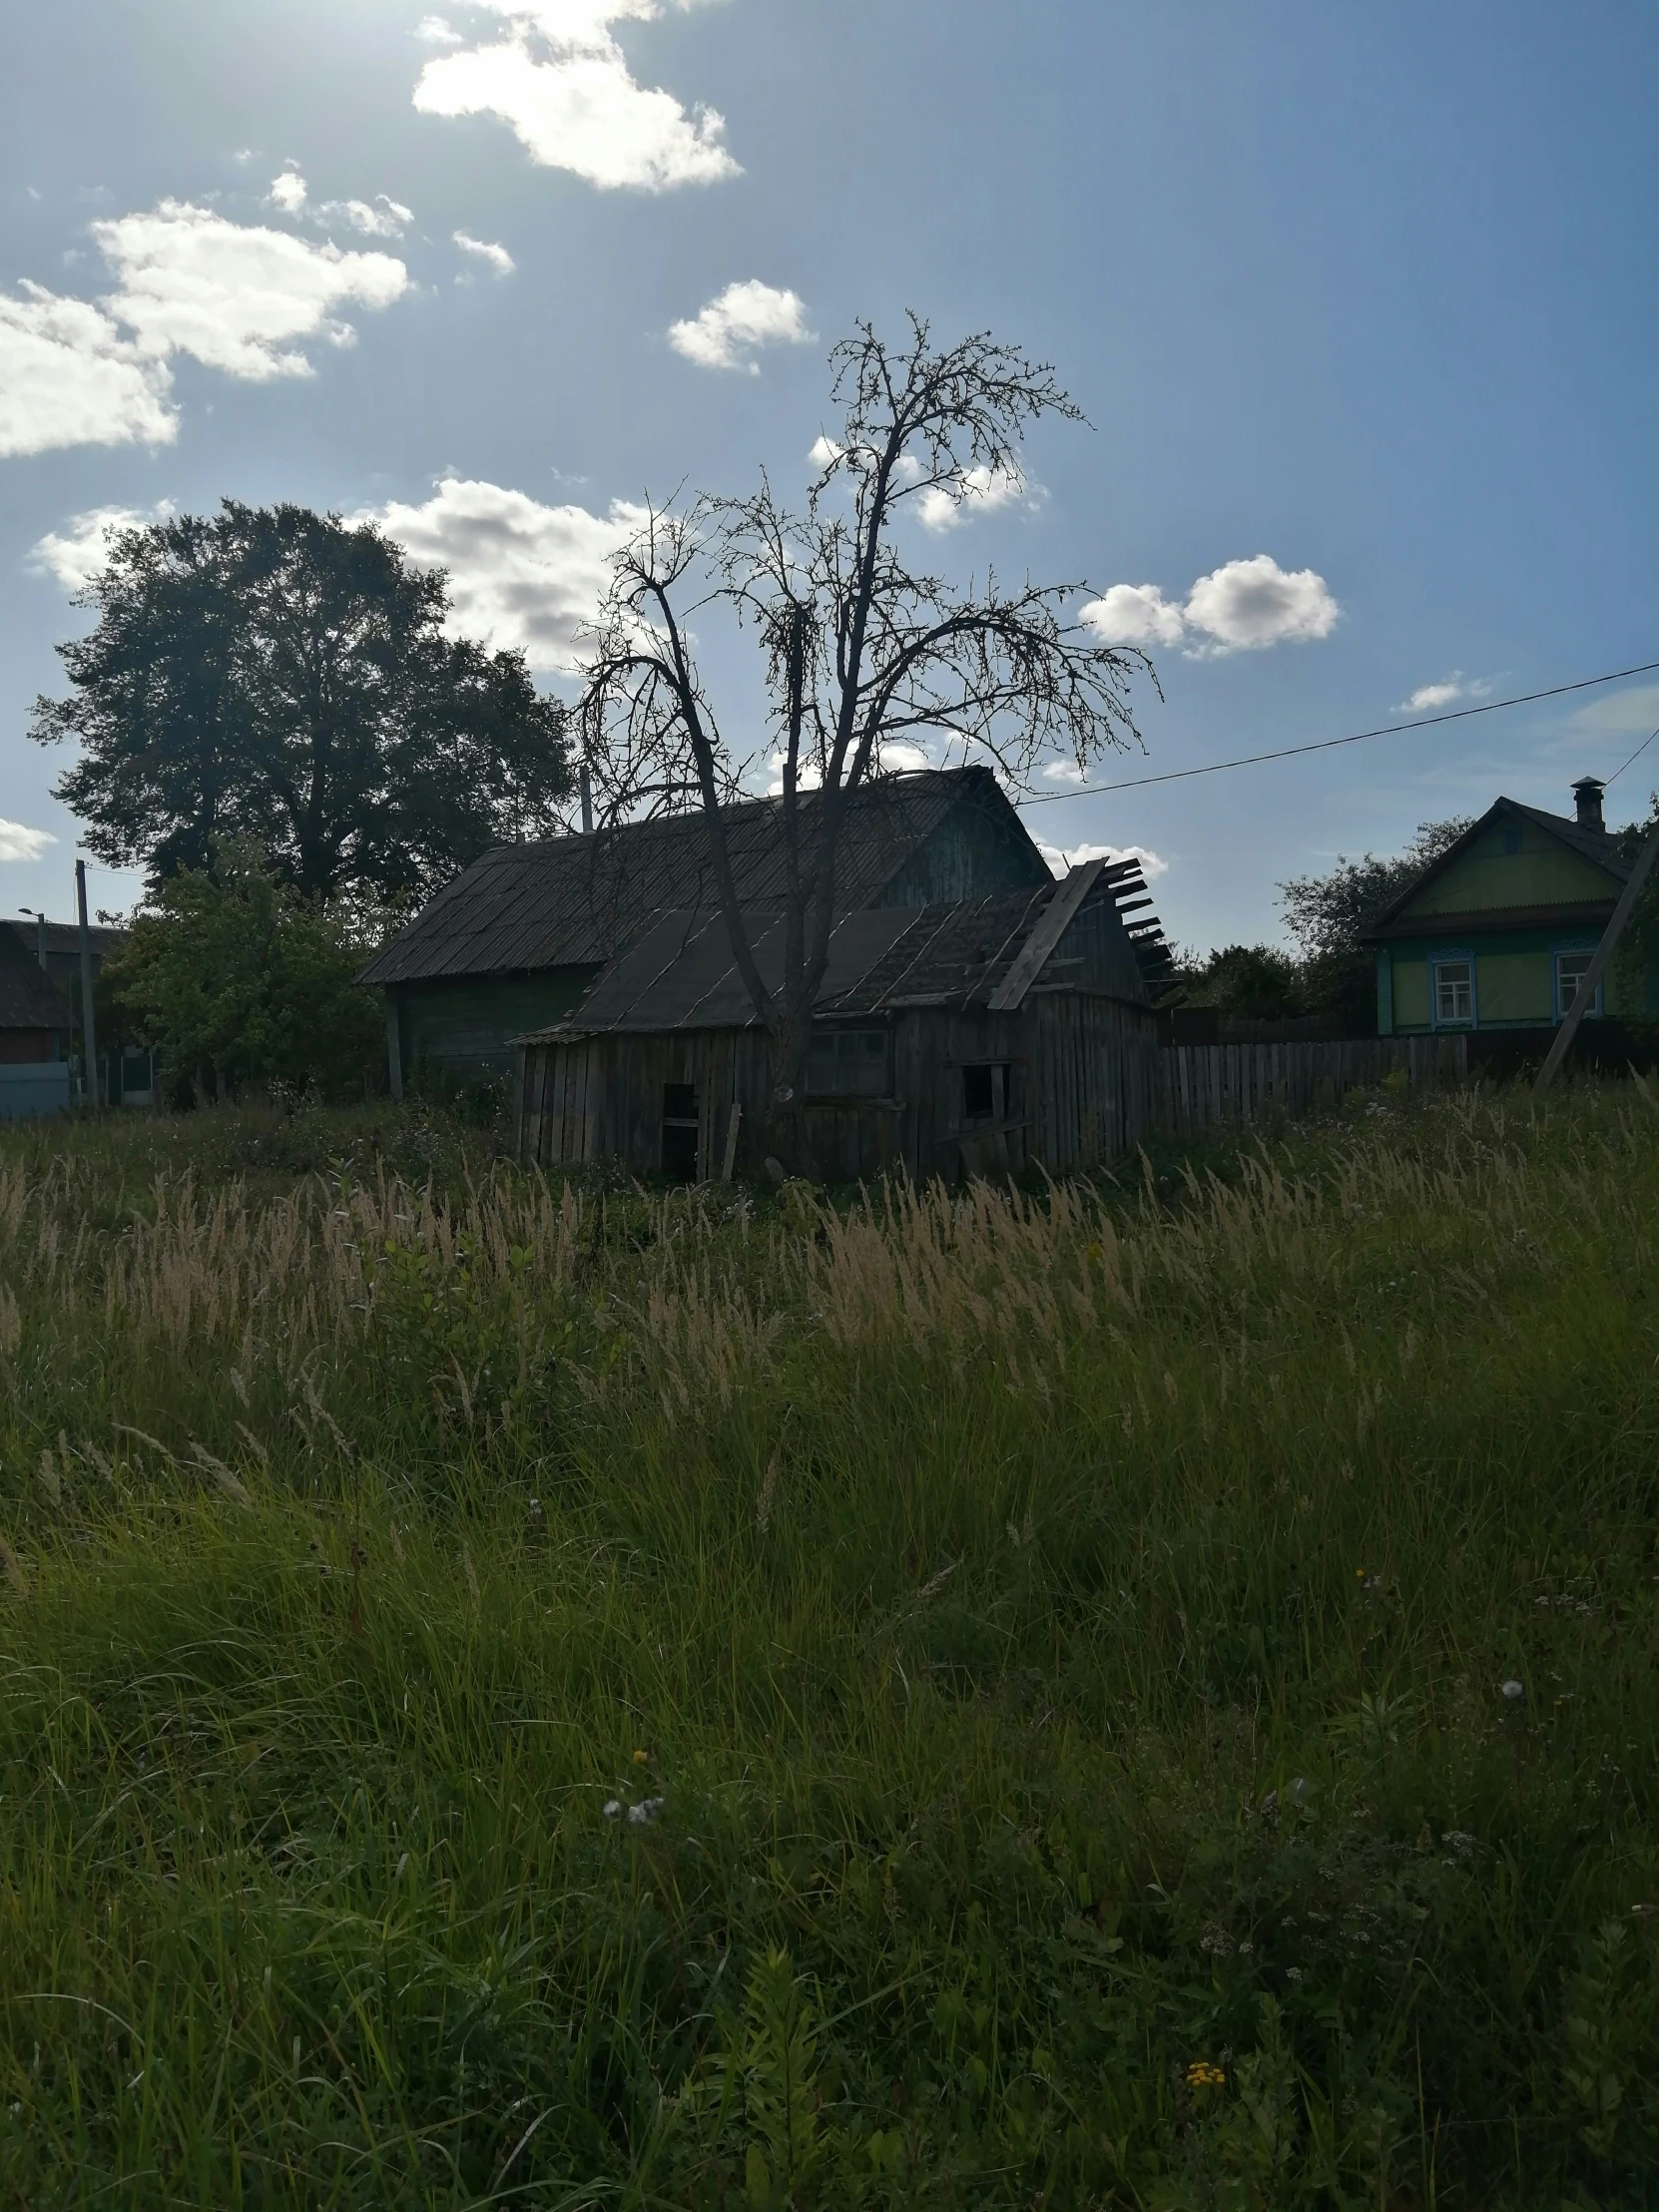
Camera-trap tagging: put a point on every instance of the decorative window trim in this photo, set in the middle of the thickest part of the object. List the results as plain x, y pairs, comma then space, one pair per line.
1558, 1012
1447, 956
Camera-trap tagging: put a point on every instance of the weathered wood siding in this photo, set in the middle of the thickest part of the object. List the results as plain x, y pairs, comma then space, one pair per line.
1085, 1083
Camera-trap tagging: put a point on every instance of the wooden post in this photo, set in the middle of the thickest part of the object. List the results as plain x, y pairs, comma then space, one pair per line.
1592, 974
733, 1124
89, 1024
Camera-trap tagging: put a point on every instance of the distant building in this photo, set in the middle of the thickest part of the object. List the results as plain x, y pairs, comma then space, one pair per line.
1494, 936
517, 940
35, 1026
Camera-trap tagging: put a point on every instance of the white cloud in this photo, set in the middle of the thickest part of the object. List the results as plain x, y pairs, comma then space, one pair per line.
981, 489
287, 191
69, 377
76, 554
18, 843
1134, 614
497, 256
385, 219
432, 30
562, 84
823, 452
521, 574
1245, 605
1063, 771
1239, 607
1427, 699
730, 330
1062, 859
236, 297
1625, 714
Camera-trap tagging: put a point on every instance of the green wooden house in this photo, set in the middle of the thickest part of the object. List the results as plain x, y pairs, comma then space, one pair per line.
1497, 933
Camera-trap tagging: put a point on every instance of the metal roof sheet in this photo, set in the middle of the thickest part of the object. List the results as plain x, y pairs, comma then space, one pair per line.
569, 901
680, 973
29, 999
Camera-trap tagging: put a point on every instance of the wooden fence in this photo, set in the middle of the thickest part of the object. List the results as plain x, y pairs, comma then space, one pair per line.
1197, 1087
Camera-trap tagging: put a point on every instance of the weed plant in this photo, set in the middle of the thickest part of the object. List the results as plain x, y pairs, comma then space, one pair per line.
514, 1694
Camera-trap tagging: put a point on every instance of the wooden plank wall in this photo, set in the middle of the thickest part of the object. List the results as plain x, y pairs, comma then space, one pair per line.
1088, 1082
1205, 1086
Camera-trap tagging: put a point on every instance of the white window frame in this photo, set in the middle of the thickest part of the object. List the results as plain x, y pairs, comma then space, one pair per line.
1561, 953
1452, 960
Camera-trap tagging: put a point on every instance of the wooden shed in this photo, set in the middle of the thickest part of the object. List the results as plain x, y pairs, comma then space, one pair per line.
964, 1038
519, 939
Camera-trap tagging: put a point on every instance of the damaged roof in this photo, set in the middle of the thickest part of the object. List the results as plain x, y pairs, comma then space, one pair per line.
679, 974
570, 901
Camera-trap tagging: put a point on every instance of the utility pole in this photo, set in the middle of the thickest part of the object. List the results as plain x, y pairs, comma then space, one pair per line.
40, 931
89, 1027
1592, 974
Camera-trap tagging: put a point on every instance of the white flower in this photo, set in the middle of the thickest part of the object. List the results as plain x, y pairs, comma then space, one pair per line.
1513, 1689
612, 1808
643, 1814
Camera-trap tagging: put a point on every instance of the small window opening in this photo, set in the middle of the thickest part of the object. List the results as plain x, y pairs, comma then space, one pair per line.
680, 1132
1453, 992
985, 1092
1570, 971
1511, 840
848, 1063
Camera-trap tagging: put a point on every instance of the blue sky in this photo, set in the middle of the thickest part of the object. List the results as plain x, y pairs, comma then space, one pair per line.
1364, 295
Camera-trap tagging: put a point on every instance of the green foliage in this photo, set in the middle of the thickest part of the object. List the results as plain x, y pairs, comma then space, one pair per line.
1252, 982
279, 676
1328, 916
523, 1694
237, 974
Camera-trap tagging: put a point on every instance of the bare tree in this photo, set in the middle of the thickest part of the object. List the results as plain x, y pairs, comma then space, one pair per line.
861, 651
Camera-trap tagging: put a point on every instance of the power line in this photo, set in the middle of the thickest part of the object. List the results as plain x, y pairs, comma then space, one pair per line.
1634, 757
1328, 745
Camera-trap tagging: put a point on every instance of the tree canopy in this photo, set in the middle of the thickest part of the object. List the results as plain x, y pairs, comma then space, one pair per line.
288, 677
236, 975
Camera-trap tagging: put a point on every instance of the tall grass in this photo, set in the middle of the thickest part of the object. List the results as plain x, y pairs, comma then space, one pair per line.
1139, 1696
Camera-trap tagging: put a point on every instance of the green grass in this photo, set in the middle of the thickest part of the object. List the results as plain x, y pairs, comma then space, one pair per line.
1065, 1634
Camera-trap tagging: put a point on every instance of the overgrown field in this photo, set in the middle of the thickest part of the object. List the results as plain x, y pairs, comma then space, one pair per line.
522, 1695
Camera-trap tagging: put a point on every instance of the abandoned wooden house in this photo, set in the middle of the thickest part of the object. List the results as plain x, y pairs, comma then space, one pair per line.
519, 939
953, 1038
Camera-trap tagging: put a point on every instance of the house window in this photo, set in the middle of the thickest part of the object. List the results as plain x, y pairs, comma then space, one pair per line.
848, 1063
1455, 995
1511, 840
680, 1132
1570, 970
985, 1092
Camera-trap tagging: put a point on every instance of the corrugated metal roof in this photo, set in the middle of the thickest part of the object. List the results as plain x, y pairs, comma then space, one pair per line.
679, 974
28, 997
566, 901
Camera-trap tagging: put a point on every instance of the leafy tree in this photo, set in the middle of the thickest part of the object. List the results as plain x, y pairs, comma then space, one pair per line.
233, 975
861, 652
274, 674
1328, 916
1252, 982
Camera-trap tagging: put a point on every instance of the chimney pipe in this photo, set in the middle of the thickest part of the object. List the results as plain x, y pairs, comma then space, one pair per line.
586, 783
1587, 801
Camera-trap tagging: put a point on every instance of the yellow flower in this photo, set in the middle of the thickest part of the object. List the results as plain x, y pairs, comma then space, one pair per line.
641, 1758
1202, 2076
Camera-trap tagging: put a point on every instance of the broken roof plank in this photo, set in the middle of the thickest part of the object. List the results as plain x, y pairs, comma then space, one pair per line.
1052, 925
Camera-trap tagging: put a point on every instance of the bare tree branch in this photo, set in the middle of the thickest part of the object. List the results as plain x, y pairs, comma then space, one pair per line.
859, 646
